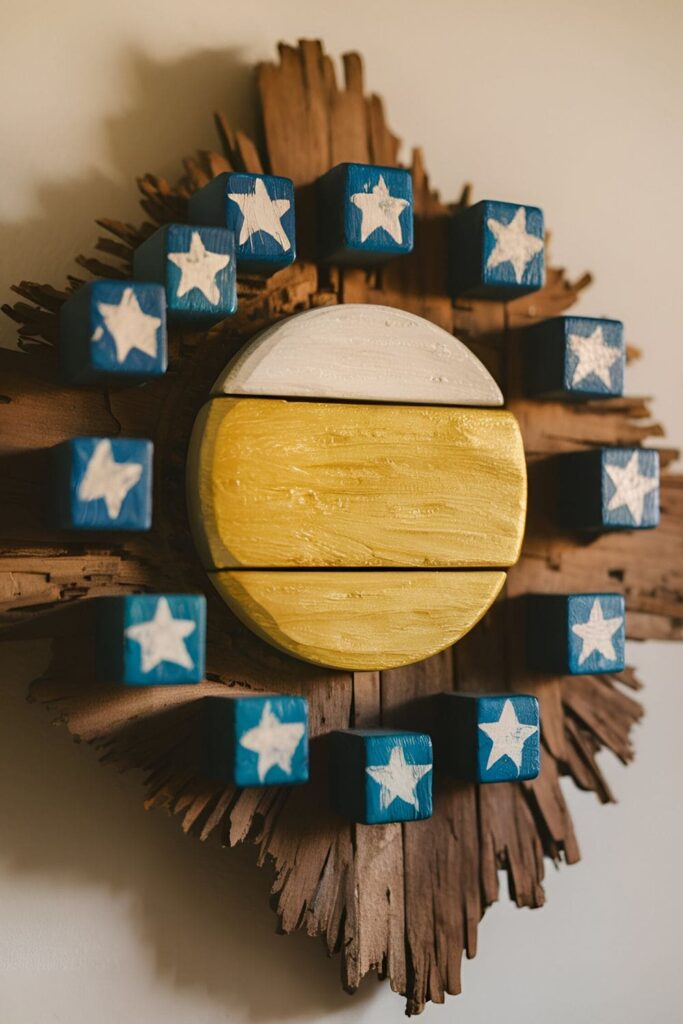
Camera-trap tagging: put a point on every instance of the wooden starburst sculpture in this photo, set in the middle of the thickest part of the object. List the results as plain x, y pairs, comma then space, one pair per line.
402, 900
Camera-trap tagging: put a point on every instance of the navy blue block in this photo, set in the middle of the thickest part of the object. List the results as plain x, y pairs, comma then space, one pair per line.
255, 740
151, 639
113, 332
575, 634
609, 489
259, 210
488, 737
365, 214
101, 483
378, 776
497, 251
574, 357
196, 266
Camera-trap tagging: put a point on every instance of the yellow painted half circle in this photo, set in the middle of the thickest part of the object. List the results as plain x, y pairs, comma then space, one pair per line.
359, 620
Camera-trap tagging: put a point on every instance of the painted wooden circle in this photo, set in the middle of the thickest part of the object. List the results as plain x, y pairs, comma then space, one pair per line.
354, 493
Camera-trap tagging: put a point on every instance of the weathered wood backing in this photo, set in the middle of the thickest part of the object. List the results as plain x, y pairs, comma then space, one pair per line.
405, 902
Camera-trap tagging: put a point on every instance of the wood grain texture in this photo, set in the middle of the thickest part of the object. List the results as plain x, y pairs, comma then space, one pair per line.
402, 901
359, 620
294, 484
360, 352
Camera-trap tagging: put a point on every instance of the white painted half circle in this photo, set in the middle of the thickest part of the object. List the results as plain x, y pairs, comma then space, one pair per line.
361, 352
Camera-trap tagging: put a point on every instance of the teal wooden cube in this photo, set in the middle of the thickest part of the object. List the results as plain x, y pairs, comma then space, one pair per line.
113, 332
378, 776
151, 639
196, 266
101, 483
487, 737
575, 634
259, 210
497, 251
365, 214
255, 740
574, 358
609, 489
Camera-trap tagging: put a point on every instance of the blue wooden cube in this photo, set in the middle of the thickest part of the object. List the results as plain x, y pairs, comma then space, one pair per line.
378, 776
151, 639
259, 210
365, 214
575, 634
574, 357
101, 483
497, 251
609, 489
255, 740
113, 331
488, 737
196, 266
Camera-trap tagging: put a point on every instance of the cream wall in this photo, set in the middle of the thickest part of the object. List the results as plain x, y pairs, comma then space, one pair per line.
110, 915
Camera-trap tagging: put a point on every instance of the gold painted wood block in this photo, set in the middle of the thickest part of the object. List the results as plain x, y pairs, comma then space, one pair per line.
284, 484
359, 620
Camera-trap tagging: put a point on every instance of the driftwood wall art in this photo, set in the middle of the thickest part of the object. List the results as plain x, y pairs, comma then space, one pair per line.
402, 900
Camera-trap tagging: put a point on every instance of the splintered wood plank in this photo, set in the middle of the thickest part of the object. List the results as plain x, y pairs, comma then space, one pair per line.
375, 914
293, 141
359, 620
348, 127
375, 926
294, 484
39, 411
441, 855
366, 700
360, 352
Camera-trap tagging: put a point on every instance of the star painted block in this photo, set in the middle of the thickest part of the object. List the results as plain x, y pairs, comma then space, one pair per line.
365, 214
378, 776
256, 741
196, 266
574, 357
488, 737
113, 331
575, 634
101, 483
497, 251
259, 210
609, 489
151, 639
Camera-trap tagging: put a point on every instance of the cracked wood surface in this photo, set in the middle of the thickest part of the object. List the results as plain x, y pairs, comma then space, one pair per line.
404, 901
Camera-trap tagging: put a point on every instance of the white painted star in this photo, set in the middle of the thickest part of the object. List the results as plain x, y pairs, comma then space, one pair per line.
274, 741
261, 213
198, 269
508, 735
379, 209
129, 326
398, 779
631, 488
513, 243
595, 357
596, 634
163, 638
105, 478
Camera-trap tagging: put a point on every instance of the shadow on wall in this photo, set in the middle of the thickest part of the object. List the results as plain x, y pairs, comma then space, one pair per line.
200, 913
170, 116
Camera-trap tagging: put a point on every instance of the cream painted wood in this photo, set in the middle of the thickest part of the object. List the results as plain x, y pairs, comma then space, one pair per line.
360, 352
